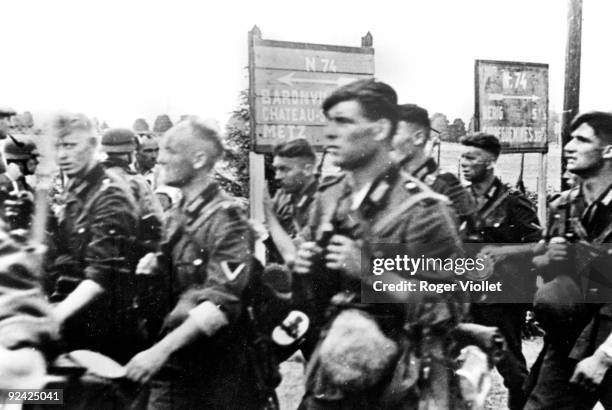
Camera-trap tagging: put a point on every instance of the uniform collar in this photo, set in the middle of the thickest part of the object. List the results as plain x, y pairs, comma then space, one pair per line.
605, 198
426, 168
490, 192
207, 193
376, 191
80, 186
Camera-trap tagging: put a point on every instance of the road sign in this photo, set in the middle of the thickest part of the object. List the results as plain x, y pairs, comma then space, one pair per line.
512, 104
289, 82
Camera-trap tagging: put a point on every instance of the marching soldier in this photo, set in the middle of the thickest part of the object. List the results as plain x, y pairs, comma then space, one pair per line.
505, 216
5, 116
574, 306
287, 213
119, 146
409, 142
21, 160
146, 156
361, 342
207, 260
22, 156
90, 263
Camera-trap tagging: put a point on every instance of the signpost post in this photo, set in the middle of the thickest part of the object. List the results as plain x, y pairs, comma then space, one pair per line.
512, 103
288, 83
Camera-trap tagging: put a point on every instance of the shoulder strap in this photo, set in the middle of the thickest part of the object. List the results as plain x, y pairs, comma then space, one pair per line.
391, 219
203, 217
493, 206
604, 234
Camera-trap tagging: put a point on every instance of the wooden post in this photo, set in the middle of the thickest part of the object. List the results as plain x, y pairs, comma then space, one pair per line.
542, 182
571, 94
256, 161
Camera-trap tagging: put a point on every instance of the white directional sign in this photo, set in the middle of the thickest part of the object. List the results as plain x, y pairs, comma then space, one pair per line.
512, 104
289, 83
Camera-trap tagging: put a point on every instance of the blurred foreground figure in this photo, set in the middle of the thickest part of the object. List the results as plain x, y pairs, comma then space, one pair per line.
28, 332
207, 260
91, 260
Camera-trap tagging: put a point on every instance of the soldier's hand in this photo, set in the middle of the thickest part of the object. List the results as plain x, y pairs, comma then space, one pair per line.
590, 371
18, 209
147, 264
557, 249
13, 171
344, 254
493, 252
146, 364
306, 253
268, 206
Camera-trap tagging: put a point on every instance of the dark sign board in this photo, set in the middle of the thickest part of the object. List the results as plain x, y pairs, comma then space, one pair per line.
512, 104
289, 82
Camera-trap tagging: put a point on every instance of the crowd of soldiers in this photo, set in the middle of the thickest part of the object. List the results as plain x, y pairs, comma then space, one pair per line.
147, 261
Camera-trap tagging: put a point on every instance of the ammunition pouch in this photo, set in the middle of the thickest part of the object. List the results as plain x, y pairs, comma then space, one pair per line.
262, 358
559, 308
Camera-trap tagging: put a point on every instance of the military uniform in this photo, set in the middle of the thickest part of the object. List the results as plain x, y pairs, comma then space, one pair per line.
293, 210
149, 208
447, 184
92, 239
207, 255
11, 189
506, 216
25, 315
149, 175
426, 228
8, 185
142, 191
576, 334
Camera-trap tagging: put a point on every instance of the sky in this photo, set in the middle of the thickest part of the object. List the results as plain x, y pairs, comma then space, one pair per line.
121, 60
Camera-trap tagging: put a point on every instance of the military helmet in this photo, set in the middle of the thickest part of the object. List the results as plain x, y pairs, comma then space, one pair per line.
6, 112
118, 140
19, 150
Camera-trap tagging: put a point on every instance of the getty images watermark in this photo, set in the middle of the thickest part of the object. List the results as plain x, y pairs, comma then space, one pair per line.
393, 273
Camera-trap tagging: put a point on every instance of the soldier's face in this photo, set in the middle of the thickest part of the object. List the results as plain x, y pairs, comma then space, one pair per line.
175, 160
584, 153
475, 163
352, 139
147, 155
291, 173
75, 153
408, 139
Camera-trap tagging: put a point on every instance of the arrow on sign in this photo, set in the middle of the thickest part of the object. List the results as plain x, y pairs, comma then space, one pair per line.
290, 80
499, 97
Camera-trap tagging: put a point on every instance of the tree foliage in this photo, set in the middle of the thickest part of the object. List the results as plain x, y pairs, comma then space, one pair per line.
440, 123
456, 130
238, 145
